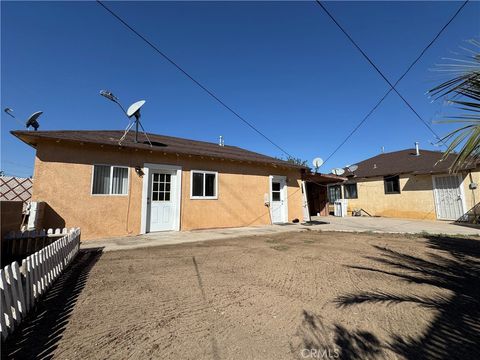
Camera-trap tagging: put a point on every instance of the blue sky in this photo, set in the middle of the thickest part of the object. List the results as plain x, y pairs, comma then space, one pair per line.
284, 66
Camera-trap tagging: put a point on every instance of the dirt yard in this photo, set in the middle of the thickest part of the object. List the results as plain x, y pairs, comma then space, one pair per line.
307, 295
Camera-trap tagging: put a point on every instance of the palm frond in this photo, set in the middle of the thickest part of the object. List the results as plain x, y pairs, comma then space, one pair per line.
463, 91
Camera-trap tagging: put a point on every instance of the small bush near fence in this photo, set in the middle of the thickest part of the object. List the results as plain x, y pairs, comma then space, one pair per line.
22, 286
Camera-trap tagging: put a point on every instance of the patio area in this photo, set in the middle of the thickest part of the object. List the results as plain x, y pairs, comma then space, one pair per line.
327, 223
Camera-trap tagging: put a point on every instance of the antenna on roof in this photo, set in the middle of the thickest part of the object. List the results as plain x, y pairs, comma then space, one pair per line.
352, 168
32, 120
338, 171
317, 162
9, 112
132, 111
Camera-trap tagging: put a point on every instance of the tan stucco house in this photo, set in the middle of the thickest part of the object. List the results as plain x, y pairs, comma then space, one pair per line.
410, 183
87, 179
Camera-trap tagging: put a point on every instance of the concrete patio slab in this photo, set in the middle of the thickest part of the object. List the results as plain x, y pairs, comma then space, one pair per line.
392, 225
330, 223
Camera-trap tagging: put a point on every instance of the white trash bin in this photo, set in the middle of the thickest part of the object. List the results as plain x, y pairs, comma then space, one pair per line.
337, 208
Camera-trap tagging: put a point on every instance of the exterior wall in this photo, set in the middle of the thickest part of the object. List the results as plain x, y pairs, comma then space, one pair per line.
415, 201
63, 176
472, 197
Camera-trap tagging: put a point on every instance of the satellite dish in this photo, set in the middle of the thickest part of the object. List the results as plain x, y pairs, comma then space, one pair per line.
9, 111
108, 94
317, 162
338, 171
134, 109
352, 168
32, 120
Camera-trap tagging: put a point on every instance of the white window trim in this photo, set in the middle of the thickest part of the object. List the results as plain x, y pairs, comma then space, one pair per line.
111, 180
203, 197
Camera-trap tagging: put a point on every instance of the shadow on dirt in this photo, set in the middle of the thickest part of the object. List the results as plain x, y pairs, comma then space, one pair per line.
319, 341
454, 332
39, 334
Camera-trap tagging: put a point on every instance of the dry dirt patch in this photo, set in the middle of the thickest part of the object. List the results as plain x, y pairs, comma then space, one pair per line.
284, 296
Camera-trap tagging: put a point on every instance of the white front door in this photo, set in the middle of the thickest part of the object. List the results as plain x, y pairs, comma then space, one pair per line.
161, 200
448, 197
278, 199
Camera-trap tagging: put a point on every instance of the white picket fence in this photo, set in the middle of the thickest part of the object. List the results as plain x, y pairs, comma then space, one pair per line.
22, 286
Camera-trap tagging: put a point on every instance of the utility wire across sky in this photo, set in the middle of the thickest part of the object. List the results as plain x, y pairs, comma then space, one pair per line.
392, 87
249, 124
204, 88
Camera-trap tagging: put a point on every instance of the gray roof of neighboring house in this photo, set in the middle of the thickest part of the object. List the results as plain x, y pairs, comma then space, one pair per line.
161, 143
406, 162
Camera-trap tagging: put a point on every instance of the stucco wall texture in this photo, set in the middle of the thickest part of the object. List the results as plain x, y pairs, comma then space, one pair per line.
63, 176
415, 201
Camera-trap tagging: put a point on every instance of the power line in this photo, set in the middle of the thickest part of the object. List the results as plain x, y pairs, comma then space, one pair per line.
392, 87
375, 67
204, 88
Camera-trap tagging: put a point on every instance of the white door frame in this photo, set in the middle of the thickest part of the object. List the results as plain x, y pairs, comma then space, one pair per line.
285, 196
147, 169
462, 193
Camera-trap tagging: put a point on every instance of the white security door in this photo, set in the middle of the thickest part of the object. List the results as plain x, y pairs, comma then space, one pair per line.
448, 197
278, 206
162, 200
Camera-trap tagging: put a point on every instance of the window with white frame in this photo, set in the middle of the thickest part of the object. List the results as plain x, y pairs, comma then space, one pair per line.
109, 180
350, 190
204, 184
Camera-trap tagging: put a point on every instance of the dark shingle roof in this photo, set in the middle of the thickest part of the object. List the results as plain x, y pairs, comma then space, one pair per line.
406, 162
161, 143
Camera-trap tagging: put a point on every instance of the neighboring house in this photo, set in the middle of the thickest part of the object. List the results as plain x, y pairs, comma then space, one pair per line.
88, 180
410, 183
16, 189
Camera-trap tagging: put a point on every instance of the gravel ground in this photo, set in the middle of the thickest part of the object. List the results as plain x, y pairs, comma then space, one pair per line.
284, 296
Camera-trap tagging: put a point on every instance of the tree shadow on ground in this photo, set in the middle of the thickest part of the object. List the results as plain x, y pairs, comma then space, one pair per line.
454, 332
318, 341
39, 334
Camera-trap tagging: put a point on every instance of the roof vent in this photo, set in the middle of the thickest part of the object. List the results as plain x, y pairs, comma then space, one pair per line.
221, 142
417, 149
154, 143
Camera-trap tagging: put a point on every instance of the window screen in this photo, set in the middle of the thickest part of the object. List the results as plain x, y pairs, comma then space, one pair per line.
350, 191
109, 180
101, 179
197, 184
204, 184
210, 184
120, 181
392, 184
334, 193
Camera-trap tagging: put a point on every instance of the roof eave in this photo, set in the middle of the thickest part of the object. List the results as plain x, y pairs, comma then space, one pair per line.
28, 139
22, 136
